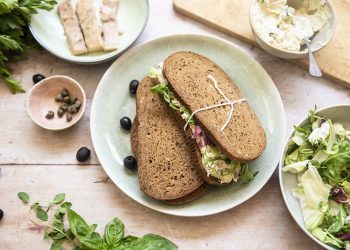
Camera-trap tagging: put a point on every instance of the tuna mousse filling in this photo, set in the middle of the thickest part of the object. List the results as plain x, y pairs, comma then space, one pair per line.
286, 27
214, 161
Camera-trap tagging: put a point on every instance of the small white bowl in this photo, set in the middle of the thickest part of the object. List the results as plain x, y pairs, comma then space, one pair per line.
288, 181
41, 99
319, 41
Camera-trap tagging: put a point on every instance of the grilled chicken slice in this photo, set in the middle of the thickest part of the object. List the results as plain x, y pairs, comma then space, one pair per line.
71, 27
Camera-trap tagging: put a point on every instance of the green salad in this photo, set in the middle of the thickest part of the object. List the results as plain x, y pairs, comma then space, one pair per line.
319, 154
215, 162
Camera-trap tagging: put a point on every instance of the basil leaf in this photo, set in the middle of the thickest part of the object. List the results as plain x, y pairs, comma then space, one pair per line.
77, 224
56, 235
41, 214
94, 242
126, 243
56, 245
24, 197
153, 241
59, 198
114, 232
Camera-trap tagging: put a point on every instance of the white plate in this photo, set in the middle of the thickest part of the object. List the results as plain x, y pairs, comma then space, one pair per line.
113, 101
288, 181
47, 29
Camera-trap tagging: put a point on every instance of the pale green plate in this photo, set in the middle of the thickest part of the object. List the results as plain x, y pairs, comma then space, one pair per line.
47, 29
113, 101
288, 181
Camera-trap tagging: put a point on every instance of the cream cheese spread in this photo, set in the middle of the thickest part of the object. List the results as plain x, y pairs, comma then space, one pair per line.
285, 27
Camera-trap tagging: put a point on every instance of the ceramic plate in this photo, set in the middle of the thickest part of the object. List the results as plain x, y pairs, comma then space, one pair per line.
113, 101
288, 181
47, 29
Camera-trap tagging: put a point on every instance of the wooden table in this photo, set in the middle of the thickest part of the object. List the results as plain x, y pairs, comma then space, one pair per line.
43, 163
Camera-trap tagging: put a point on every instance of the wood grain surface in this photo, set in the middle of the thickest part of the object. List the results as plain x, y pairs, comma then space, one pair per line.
232, 17
43, 163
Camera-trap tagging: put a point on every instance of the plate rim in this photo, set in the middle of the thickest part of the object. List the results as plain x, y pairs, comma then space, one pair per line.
93, 62
280, 176
193, 36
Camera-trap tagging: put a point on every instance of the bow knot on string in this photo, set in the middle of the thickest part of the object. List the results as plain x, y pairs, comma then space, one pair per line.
227, 102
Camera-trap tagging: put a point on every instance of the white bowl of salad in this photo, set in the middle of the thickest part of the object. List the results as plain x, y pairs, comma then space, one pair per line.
315, 176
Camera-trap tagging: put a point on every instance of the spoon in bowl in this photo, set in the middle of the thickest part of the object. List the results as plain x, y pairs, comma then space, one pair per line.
314, 70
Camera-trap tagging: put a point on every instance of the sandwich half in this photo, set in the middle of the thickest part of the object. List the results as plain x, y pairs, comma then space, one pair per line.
166, 158
185, 80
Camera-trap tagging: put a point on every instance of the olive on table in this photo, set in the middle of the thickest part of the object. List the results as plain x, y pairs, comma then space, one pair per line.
83, 154
1, 213
130, 162
125, 123
37, 78
133, 86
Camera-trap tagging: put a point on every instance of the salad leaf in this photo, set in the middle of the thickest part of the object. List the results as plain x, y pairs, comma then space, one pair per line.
327, 237
296, 167
246, 175
319, 134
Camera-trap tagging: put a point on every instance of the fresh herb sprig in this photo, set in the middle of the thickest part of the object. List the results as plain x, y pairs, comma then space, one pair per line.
82, 236
14, 34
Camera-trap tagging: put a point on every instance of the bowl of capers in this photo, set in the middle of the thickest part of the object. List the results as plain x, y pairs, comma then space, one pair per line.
56, 103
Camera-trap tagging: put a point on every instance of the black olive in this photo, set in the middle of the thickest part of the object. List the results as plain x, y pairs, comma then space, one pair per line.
83, 154
133, 86
130, 162
37, 78
1, 214
126, 123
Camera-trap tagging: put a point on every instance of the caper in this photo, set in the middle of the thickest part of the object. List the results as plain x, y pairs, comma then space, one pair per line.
60, 112
69, 117
59, 98
65, 92
77, 104
66, 99
72, 109
50, 115
64, 106
72, 99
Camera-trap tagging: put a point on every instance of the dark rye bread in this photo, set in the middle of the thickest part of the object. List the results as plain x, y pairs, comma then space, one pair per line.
166, 168
187, 198
244, 138
133, 138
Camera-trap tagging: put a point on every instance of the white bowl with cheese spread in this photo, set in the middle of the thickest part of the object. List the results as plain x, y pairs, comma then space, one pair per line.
280, 26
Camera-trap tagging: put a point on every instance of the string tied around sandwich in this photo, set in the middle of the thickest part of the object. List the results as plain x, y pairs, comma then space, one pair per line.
227, 102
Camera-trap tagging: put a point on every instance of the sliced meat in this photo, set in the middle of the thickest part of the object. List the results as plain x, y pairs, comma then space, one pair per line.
110, 27
71, 27
108, 10
89, 25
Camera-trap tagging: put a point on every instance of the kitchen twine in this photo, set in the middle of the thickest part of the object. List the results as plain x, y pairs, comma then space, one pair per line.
227, 103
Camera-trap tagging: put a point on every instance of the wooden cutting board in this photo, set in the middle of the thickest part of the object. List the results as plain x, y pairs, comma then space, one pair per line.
232, 17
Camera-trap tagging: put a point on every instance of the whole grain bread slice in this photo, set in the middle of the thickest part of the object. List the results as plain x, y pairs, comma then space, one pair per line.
166, 166
244, 138
187, 198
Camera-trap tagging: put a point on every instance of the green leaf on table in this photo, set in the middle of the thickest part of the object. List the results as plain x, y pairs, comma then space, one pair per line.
56, 245
153, 241
114, 232
24, 197
41, 214
77, 224
59, 198
94, 242
55, 234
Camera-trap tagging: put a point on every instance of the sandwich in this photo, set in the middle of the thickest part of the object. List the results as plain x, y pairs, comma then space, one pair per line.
226, 131
166, 166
